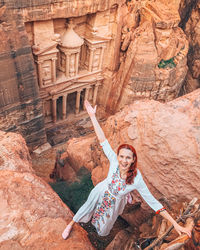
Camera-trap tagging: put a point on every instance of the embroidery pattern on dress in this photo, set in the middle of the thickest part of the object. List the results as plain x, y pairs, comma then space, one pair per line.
103, 209
117, 183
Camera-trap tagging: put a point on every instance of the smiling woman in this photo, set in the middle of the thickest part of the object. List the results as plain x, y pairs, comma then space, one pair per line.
108, 198
127, 159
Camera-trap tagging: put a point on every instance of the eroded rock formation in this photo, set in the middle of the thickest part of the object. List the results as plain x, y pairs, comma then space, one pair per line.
192, 31
166, 137
154, 65
20, 105
32, 215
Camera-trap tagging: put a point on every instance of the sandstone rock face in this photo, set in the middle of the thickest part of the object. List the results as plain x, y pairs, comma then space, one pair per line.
192, 31
154, 65
166, 138
78, 157
13, 153
61, 9
20, 105
190, 23
32, 215
123, 240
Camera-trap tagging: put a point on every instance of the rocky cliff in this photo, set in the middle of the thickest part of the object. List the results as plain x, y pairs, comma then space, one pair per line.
20, 105
153, 54
32, 215
192, 31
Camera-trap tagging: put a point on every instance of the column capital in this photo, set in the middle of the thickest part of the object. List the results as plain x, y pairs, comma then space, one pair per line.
54, 98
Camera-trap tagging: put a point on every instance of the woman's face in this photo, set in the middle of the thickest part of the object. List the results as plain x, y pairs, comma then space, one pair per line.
125, 159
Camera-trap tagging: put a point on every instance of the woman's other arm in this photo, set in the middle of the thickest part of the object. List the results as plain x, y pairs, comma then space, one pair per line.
177, 227
98, 130
157, 206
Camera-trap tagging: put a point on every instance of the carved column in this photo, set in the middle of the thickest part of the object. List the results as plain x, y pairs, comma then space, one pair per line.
78, 101
86, 95
59, 58
67, 65
64, 106
95, 94
54, 109
101, 58
76, 64
40, 74
91, 59
54, 70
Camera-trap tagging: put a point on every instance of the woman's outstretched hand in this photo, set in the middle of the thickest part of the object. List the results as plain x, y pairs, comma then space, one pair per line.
177, 227
181, 229
91, 111
97, 128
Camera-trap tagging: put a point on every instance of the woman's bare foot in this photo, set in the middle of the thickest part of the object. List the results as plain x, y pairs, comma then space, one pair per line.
67, 231
129, 198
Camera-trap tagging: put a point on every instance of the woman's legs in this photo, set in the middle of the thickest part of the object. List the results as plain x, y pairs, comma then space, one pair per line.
67, 230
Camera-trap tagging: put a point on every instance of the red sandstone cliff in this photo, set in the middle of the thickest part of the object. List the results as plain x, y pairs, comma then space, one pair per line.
20, 105
32, 215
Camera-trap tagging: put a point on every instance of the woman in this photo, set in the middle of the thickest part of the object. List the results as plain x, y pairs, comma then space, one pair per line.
108, 198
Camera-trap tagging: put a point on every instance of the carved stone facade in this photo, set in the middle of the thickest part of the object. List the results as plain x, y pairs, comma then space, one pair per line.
69, 66
153, 54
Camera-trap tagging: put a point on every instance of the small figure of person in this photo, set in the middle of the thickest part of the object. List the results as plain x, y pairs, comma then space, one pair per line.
108, 198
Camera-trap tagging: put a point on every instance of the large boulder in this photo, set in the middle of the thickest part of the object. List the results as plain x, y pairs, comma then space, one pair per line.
32, 215
14, 155
167, 140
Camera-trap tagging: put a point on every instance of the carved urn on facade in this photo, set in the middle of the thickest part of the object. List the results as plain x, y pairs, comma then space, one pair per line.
69, 54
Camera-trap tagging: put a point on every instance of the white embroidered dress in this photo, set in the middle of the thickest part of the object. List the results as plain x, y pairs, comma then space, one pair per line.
108, 198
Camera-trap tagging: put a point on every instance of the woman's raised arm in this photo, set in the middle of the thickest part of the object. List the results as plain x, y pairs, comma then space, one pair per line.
98, 130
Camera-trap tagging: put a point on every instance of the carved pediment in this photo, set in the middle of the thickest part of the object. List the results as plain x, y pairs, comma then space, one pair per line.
45, 50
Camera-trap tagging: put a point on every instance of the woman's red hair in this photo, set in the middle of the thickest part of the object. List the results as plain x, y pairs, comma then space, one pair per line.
132, 171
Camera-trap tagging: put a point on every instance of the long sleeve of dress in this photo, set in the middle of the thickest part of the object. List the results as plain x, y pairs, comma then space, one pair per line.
110, 154
143, 190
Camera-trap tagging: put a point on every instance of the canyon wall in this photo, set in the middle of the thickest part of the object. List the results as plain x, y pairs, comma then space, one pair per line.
32, 215
167, 141
153, 55
192, 31
190, 16
20, 105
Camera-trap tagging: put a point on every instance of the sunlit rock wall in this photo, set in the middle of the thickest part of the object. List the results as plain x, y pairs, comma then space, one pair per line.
153, 55
32, 215
20, 105
190, 15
